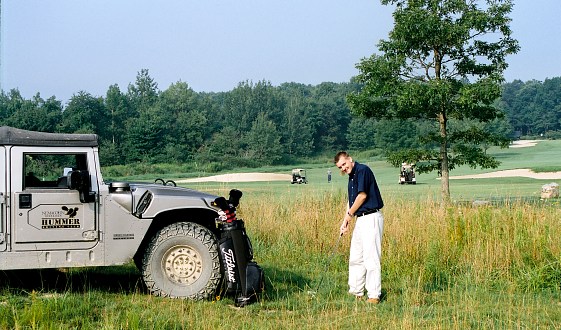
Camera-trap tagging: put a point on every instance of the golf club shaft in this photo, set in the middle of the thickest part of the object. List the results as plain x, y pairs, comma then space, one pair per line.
329, 261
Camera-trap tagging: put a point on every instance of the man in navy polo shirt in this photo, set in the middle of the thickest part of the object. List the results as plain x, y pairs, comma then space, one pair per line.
365, 202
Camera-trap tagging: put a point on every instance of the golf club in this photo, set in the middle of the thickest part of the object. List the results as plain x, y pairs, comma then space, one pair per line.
328, 262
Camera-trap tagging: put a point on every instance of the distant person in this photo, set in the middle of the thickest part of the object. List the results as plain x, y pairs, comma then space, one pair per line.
328, 176
365, 203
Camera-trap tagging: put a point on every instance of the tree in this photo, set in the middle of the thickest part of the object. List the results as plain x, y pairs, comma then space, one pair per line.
263, 141
552, 102
118, 110
443, 60
144, 93
223, 151
84, 114
187, 121
145, 136
510, 103
393, 135
331, 116
533, 107
361, 134
34, 115
296, 126
296, 129
244, 103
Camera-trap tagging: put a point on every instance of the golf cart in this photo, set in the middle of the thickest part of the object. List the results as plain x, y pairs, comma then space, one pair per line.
407, 174
298, 176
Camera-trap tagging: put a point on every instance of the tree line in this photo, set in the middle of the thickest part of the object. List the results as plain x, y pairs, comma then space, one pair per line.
254, 124
533, 107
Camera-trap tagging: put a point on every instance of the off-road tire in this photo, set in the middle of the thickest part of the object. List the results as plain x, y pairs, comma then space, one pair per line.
182, 261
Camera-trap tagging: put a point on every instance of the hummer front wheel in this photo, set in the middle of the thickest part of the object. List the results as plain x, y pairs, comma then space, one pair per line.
182, 261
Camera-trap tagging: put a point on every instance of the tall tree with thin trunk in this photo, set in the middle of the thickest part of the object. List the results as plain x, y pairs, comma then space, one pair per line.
443, 61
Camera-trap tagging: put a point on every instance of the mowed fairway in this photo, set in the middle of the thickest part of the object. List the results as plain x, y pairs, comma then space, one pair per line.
496, 266
545, 156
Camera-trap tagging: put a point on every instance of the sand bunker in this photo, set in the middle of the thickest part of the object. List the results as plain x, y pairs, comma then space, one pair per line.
510, 173
523, 143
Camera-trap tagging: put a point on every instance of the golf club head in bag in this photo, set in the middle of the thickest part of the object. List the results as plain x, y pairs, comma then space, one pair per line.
229, 206
234, 198
224, 205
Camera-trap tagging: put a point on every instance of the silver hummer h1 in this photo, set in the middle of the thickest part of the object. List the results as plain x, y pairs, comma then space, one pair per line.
57, 212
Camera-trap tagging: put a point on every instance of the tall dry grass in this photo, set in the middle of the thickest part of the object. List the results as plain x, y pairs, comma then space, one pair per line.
514, 246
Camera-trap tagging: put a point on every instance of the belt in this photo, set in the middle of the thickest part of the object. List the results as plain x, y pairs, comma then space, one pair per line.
367, 212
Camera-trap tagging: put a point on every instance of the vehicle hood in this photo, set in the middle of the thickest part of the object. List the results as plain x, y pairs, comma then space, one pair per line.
160, 190
150, 199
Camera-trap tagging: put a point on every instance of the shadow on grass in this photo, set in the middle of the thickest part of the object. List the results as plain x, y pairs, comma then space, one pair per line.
121, 279
506, 155
281, 284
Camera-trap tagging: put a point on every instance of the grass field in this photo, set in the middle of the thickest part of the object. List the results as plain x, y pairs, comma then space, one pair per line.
545, 156
496, 266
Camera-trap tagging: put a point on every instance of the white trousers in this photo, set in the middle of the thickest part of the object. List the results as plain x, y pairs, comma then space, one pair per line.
365, 270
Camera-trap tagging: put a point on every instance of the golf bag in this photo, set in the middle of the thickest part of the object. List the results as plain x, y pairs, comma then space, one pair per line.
243, 277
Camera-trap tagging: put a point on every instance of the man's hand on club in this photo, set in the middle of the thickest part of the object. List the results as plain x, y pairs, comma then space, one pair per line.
345, 225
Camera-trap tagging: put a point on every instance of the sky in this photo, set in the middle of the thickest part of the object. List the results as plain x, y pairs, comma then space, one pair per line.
60, 47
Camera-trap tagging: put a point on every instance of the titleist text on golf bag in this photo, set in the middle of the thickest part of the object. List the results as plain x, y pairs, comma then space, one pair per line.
243, 277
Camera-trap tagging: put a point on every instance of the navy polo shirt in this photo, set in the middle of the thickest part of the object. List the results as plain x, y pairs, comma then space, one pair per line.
362, 179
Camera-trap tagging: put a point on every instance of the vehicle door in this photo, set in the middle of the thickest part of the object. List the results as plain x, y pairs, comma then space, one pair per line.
3, 200
47, 214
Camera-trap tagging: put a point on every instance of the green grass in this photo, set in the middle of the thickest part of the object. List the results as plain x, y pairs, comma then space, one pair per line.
457, 268
496, 266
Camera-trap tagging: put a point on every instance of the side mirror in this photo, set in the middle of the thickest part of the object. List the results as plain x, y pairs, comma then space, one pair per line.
80, 180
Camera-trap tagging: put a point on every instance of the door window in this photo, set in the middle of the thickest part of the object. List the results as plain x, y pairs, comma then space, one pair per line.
50, 170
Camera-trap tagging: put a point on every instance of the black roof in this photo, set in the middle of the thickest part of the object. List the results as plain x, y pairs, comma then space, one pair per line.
20, 137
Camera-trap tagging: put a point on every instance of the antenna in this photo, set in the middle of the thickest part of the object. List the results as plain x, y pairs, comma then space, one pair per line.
1, 76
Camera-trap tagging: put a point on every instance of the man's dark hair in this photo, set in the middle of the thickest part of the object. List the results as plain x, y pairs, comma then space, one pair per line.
339, 155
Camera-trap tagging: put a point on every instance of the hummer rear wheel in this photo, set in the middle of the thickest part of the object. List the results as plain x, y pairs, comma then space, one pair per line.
182, 261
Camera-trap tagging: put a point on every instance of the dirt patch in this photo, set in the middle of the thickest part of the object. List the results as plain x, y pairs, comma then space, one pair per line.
240, 177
